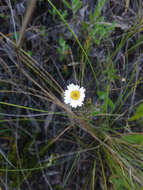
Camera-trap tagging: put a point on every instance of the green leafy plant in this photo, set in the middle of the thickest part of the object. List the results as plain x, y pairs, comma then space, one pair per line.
76, 5
99, 30
63, 49
138, 113
54, 14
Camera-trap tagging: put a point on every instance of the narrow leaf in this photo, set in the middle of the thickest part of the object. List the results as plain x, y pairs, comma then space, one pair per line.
138, 114
134, 138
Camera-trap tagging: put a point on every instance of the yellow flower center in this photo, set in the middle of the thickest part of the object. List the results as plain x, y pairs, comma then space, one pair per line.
75, 95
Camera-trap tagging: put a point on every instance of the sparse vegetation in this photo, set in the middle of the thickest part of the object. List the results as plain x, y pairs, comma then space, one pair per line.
46, 144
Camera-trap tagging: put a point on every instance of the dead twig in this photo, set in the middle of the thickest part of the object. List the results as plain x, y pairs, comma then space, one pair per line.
26, 20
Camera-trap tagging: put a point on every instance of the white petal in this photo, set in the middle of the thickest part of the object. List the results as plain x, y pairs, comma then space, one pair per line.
67, 100
82, 90
71, 86
74, 104
67, 93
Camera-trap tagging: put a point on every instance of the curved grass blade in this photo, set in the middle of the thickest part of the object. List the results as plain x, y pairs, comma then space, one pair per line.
23, 107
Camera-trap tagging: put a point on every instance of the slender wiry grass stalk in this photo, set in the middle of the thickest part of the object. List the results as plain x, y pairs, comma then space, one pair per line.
26, 20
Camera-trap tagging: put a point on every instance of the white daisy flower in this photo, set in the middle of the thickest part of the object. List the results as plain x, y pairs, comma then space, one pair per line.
74, 95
